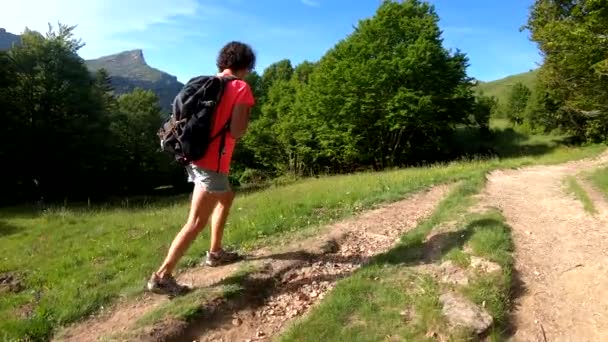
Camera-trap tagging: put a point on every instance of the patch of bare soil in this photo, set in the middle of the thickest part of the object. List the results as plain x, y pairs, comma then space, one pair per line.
291, 281
561, 253
10, 282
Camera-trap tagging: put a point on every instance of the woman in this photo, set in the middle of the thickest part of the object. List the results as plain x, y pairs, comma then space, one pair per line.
212, 195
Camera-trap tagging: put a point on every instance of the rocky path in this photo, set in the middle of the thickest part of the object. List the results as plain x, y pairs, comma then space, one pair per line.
561, 253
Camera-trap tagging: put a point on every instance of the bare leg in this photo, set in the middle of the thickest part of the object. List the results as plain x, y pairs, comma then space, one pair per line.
201, 207
218, 220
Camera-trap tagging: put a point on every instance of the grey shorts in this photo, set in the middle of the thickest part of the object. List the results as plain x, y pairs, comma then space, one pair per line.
210, 180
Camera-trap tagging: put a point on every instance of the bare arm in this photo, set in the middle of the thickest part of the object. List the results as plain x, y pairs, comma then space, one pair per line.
239, 120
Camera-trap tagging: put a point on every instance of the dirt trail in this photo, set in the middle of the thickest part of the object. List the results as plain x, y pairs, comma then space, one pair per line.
292, 279
561, 253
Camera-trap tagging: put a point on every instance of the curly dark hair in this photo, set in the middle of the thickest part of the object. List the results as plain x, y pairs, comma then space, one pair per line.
236, 56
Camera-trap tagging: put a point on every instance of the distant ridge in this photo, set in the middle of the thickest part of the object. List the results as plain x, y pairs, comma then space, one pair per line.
7, 39
128, 70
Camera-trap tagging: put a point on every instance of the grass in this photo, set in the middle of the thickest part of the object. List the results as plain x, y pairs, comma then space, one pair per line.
371, 304
364, 309
599, 178
501, 88
73, 261
577, 190
491, 239
459, 257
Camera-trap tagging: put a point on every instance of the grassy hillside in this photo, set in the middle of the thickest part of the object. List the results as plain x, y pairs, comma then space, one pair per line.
501, 88
112, 250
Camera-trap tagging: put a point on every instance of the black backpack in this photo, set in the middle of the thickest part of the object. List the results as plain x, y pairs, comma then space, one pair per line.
186, 134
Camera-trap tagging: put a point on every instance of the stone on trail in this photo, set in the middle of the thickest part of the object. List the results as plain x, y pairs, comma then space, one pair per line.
450, 273
462, 312
484, 265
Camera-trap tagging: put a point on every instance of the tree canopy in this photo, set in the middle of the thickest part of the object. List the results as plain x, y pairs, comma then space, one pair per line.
573, 38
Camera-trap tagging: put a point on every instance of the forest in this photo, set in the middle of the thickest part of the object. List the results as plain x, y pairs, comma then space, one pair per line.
388, 95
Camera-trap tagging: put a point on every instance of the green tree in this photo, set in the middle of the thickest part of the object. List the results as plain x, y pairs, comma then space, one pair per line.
255, 83
302, 72
64, 124
278, 71
517, 103
136, 153
273, 140
571, 35
104, 89
293, 129
483, 109
389, 94
254, 152
12, 130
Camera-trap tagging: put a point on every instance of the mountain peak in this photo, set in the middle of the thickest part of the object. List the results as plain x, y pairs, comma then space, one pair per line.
129, 70
129, 57
135, 55
7, 39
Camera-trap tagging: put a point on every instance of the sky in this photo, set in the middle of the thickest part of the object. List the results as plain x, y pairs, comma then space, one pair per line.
182, 37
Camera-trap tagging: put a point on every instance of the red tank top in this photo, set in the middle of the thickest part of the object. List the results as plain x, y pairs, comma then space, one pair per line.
236, 92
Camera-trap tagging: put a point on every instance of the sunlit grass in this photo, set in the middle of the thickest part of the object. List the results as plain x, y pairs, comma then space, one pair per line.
574, 188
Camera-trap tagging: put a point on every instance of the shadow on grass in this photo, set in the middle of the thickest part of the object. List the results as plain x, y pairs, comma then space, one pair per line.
518, 290
510, 143
417, 252
503, 143
7, 229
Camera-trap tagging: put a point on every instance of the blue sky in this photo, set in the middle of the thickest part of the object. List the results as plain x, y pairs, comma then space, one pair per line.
182, 37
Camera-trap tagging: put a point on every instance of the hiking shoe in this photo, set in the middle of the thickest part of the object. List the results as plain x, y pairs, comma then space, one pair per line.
166, 285
221, 257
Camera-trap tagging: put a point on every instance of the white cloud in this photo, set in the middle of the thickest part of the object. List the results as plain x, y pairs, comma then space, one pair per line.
100, 23
311, 3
